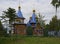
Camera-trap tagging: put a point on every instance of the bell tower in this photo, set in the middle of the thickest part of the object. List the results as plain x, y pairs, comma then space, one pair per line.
19, 25
33, 20
20, 18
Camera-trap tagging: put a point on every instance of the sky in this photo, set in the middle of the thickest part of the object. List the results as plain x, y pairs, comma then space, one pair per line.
44, 7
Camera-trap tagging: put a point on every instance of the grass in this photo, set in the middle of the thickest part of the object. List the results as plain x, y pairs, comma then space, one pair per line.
29, 40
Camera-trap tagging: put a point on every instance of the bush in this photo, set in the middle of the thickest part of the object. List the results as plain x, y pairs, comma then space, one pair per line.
29, 31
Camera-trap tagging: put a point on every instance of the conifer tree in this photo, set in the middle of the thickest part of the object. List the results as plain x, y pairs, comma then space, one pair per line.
2, 31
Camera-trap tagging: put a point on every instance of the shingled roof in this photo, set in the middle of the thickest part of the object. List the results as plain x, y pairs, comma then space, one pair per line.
19, 13
33, 18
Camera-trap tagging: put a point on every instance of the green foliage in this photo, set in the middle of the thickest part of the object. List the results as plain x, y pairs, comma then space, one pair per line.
29, 30
2, 30
41, 21
54, 2
10, 13
5, 33
1, 26
46, 30
47, 26
58, 26
54, 23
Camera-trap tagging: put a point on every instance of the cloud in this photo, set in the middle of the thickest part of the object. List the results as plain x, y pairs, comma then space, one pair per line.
43, 7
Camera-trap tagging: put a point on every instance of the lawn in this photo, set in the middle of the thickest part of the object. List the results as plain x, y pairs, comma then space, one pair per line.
29, 40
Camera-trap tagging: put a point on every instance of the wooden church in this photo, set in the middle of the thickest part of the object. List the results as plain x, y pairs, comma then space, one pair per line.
20, 27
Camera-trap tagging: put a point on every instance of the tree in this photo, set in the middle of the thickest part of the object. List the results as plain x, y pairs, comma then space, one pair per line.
29, 30
53, 25
46, 30
41, 21
58, 24
56, 3
10, 13
2, 31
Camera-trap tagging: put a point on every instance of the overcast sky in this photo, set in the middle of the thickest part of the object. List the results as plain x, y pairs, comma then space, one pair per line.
43, 7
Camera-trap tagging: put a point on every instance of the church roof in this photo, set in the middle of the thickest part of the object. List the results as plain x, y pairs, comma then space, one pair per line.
28, 24
19, 13
33, 19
